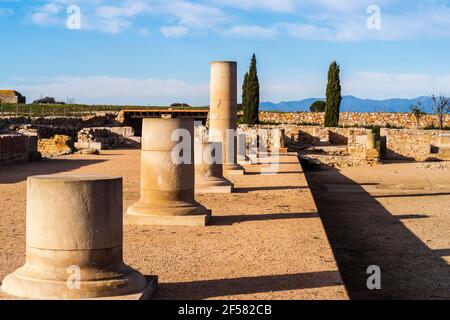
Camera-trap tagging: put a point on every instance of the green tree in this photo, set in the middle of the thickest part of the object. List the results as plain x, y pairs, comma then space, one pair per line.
250, 95
334, 97
318, 106
417, 112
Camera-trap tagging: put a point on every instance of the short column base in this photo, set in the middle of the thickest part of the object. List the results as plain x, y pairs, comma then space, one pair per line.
201, 220
233, 170
145, 294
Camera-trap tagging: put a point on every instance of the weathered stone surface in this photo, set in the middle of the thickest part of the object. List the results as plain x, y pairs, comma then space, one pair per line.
74, 241
409, 144
167, 187
15, 147
57, 146
355, 119
107, 137
223, 113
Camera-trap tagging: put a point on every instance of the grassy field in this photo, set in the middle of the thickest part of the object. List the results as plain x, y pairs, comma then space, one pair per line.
70, 110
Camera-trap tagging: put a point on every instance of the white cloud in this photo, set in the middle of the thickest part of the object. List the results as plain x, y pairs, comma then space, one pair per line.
144, 32
174, 31
248, 31
117, 90
271, 5
46, 15
194, 15
328, 20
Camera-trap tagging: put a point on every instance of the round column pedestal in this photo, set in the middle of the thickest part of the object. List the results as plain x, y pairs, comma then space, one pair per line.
74, 243
167, 176
209, 170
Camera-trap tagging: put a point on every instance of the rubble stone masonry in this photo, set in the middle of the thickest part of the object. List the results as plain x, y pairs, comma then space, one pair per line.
355, 119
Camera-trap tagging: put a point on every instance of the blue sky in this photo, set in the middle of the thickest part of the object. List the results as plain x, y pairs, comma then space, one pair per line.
158, 51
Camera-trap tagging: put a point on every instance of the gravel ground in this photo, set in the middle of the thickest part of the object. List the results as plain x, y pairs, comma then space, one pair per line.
266, 241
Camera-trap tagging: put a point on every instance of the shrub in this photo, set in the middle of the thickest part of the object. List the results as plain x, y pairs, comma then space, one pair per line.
318, 106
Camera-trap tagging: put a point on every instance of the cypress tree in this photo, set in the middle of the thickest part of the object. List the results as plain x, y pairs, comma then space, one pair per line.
334, 98
250, 95
244, 93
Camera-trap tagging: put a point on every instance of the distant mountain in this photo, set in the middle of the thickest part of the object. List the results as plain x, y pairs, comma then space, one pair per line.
351, 104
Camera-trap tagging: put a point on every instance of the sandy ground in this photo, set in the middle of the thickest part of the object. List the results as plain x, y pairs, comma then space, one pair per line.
396, 216
266, 241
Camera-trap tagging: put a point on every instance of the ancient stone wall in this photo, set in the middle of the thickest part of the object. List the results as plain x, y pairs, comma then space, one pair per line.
355, 119
57, 146
17, 148
408, 144
107, 137
354, 138
47, 127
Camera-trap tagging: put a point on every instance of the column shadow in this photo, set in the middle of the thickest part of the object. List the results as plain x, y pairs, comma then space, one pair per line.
230, 220
363, 233
250, 189
203, 289
14, 173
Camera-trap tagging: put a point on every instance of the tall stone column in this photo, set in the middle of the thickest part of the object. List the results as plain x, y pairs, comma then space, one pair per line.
167, 176
74, 242
208, 171
223, 112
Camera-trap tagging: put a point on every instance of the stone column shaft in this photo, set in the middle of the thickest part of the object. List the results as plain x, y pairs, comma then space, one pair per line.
223, 111
167, 176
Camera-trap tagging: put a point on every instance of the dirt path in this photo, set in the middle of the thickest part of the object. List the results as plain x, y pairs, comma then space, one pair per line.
266, 240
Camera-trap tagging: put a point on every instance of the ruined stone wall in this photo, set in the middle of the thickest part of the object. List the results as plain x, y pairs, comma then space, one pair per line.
354, 119
16, 148
57, 146
47, 127
354, 138
107, 137
9, 99
408, 144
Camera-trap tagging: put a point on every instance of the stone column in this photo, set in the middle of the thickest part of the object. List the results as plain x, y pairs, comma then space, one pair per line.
371, 142
167, 183
371, 151
74, 242
223, 112
208, 171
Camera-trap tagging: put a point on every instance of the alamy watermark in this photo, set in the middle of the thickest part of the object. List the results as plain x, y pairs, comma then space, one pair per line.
374, 19
374, 280
73, 21
74, 279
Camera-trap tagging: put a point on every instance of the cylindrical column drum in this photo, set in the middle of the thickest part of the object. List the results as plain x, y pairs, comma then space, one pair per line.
209, 170
371, 141
223, 112
167, 172
74, 241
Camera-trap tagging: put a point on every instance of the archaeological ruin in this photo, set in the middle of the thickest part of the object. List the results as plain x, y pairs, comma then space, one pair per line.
105, 203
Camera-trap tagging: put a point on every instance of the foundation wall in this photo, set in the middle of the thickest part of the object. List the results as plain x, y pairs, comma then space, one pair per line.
16, 148
409, 144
